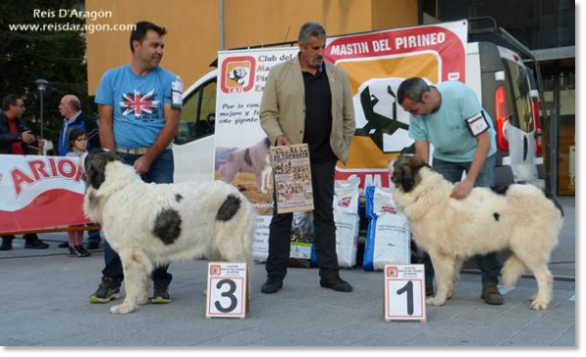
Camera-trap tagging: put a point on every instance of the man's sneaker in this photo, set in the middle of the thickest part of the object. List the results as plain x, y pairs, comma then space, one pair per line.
107, 291
336, 283
93, 245
491, 295
6, 244
35, 243
272, 285
63, 245
160, 294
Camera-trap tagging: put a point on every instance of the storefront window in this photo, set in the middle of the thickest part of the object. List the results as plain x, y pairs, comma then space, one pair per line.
538, 24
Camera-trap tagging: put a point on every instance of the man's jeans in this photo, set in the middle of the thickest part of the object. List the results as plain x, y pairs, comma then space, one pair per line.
161, 171
452, 171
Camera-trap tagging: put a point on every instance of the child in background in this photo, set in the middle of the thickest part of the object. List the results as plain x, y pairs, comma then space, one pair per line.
77, 145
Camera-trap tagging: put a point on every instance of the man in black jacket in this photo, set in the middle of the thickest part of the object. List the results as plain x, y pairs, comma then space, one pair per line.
15, 137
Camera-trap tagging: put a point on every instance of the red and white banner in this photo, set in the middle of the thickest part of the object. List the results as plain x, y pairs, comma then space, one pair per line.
376, 64
40, 192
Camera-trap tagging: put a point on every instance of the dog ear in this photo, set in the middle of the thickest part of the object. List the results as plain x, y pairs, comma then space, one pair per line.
96, 163
405, 170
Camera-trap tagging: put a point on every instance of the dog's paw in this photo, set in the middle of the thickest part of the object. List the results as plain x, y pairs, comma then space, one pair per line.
122, 309
434, 301
538, 305
142, 300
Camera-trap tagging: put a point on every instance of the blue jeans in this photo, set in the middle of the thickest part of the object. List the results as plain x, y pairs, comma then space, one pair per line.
452, 171
161, 171
94, 236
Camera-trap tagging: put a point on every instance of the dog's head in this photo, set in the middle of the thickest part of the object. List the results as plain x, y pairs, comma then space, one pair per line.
94, 166
405, 171
239, 74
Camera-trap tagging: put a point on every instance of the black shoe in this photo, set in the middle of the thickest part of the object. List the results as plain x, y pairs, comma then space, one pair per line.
78, 251
93, 245
160, 294
108, 290
63, 245
272, 285
35, 243
336, 283
6, 244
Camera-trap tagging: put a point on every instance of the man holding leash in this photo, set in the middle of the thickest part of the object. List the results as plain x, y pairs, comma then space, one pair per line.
309, 101
140, 108
450, 117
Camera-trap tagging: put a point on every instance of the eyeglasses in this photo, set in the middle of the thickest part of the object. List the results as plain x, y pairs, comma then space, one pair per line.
81, 139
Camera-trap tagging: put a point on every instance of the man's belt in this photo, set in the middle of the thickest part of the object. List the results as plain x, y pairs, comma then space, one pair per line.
137, 151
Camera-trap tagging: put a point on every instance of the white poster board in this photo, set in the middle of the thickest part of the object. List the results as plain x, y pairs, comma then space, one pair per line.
405, 292
227, 290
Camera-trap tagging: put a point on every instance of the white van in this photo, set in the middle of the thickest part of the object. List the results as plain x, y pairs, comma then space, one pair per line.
497, 73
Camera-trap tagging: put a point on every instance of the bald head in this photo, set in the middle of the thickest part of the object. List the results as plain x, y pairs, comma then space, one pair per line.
70, 104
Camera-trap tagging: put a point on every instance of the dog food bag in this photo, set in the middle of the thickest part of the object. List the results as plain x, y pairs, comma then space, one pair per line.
346, 204
302, 232
388, 237
260, 244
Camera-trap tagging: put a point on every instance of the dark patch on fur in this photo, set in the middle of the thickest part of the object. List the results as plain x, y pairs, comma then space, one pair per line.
178, 197
247, 158
168, 226
555, 202
500, 190
95, 166
267, 142
229, 208
496, 216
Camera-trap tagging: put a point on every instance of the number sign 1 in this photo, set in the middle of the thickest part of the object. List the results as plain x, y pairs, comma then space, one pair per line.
226, 294
405, 292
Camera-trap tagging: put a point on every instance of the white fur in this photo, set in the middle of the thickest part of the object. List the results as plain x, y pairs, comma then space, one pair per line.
127, 208
452, 230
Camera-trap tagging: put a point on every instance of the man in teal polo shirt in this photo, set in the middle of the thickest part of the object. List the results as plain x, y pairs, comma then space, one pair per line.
450, 117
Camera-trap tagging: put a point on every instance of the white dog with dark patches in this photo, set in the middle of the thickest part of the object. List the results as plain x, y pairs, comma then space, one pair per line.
254, 159
153, 224
519, 218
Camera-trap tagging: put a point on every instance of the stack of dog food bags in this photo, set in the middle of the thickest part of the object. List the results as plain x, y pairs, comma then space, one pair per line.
388, 237
346, 204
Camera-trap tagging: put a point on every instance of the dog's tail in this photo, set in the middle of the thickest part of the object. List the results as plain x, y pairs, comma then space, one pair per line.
513, 270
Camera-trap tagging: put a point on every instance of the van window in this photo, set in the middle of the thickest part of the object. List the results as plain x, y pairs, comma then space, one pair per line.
518, 93
199, 114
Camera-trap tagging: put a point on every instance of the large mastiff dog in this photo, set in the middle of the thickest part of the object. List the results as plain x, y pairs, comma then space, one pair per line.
150, 224
519, 217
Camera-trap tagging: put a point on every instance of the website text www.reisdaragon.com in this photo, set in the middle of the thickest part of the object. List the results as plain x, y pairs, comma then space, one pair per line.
87, 28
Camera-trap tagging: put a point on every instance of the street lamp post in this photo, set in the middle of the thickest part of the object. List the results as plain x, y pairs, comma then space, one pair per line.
42, 86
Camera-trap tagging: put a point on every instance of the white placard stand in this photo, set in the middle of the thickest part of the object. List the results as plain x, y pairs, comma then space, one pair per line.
405, 293
227, 295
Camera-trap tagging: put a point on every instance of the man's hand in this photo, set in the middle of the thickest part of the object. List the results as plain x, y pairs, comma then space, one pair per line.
41, 143
462, 189
27, 137
282, 141
142, 165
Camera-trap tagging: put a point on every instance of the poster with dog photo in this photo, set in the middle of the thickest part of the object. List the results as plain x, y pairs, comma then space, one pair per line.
292, 178
242, 150
242, 155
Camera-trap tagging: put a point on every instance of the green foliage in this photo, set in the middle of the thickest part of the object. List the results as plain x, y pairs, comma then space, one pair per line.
57, 56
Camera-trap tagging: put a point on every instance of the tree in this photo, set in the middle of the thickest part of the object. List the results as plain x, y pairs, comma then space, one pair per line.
56, 55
